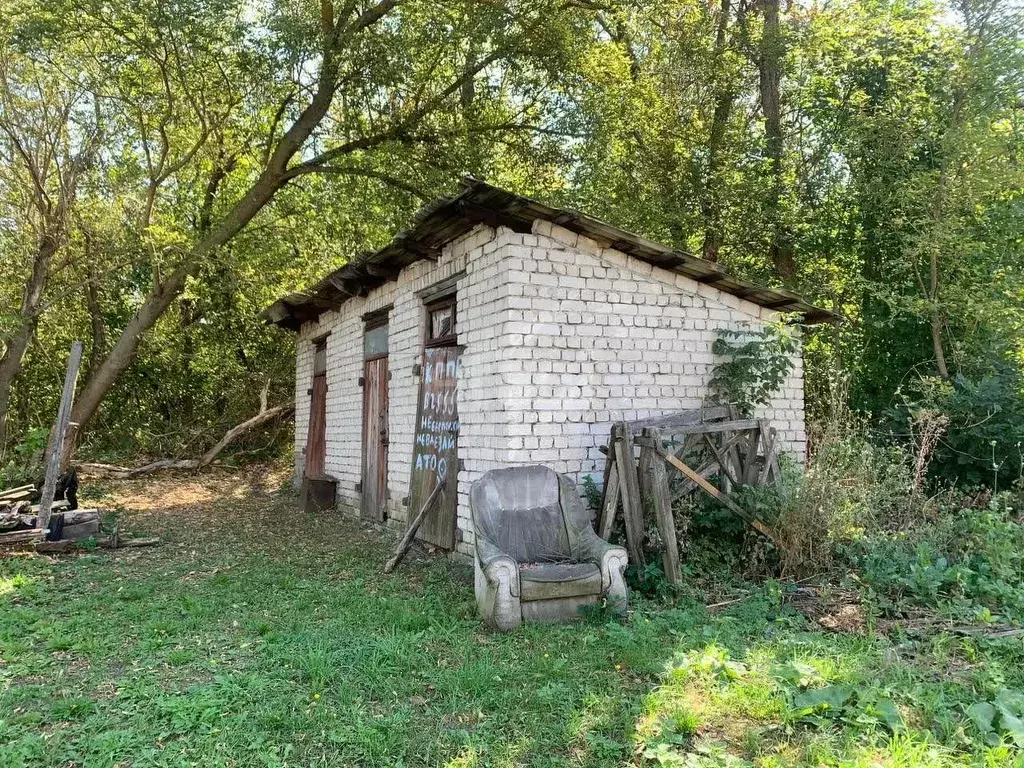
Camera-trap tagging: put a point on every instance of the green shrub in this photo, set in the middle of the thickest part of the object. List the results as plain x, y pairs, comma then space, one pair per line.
983, 443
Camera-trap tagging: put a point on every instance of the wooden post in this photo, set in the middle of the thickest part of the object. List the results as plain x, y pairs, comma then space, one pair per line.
610, 499
632, 513
655, 493
750, 462
56, 441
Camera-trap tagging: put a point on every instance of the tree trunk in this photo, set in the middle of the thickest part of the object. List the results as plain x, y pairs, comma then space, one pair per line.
271, 179
711, 199
32, 299
770, 78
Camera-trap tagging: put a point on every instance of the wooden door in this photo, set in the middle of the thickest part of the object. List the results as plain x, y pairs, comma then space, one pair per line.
316, 433
375, 439
435, 446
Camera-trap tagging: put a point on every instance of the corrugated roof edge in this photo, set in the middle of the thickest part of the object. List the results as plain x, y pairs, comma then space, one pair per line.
446, 218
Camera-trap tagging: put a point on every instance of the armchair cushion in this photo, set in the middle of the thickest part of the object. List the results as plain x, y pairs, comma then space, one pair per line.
548, 581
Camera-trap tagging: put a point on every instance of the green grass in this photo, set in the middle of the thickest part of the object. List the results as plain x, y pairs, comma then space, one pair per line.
258, 636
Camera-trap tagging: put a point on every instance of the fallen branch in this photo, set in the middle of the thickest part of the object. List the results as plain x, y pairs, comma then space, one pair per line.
264, 416
57, 547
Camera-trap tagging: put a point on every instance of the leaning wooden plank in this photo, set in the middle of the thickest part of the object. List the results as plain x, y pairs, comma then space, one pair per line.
707, 471
721, 497
768, 439
654, 486
610, 501
406, 542
632, 512
56, 442
749, 471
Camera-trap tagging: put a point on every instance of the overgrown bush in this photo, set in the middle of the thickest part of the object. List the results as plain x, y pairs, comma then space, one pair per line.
983, 443
968, 562
850, 486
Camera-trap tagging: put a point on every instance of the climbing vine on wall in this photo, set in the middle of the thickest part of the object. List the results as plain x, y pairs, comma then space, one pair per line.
754, 364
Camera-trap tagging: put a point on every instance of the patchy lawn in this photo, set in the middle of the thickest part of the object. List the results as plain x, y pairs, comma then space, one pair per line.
259, 636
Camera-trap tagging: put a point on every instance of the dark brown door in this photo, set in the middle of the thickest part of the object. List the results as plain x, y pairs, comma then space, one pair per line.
316, 434
435, 445
375, 438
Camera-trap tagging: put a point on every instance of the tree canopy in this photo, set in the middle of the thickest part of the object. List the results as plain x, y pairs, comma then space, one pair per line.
168, 169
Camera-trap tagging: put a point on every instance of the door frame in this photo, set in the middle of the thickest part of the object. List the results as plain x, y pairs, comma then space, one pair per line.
372, 321
319, 362
438, 300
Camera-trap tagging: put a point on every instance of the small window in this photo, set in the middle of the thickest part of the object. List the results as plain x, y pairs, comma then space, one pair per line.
320, 357
375, 341
441, 327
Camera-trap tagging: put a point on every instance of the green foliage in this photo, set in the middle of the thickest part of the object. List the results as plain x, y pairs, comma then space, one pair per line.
249, 645
1001, 717
25, 464
756, 365
983, 443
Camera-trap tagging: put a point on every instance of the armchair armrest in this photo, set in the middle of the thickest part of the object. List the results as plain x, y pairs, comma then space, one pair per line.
588, 547
496, 582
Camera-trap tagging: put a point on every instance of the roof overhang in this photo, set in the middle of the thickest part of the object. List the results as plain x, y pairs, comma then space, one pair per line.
478, 202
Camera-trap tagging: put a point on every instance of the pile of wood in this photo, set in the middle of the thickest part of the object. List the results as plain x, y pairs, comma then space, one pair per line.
19, 518
734, 451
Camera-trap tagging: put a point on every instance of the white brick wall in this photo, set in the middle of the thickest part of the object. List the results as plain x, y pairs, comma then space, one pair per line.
562, 337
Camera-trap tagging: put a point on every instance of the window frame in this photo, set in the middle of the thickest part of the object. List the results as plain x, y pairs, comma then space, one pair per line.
432, 307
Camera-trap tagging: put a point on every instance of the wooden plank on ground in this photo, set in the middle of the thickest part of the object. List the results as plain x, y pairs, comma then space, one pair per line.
720, 497
656, 495
632, 512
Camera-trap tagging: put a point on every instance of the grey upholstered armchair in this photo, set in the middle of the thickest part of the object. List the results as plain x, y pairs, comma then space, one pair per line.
537, 555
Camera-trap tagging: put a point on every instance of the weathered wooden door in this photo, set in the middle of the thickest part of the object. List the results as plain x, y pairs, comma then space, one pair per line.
435, 446
316, 433
375, 439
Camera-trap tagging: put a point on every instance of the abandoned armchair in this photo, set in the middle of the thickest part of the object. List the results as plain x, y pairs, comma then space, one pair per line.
537, 555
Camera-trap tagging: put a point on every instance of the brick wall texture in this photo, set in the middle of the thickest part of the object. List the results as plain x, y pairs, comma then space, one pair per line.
562, 337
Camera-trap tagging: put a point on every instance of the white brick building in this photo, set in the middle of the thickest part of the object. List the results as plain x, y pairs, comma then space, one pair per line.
564, 325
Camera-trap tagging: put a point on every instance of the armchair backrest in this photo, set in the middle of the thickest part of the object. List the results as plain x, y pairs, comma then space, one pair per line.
519, 510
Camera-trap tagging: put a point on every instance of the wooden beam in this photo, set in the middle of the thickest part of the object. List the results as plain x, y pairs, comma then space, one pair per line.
716, 494
609, 499
680, 419
632, 512
656, 495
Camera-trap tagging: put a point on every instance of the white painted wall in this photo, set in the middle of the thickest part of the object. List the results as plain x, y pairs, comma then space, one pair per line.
562, 338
